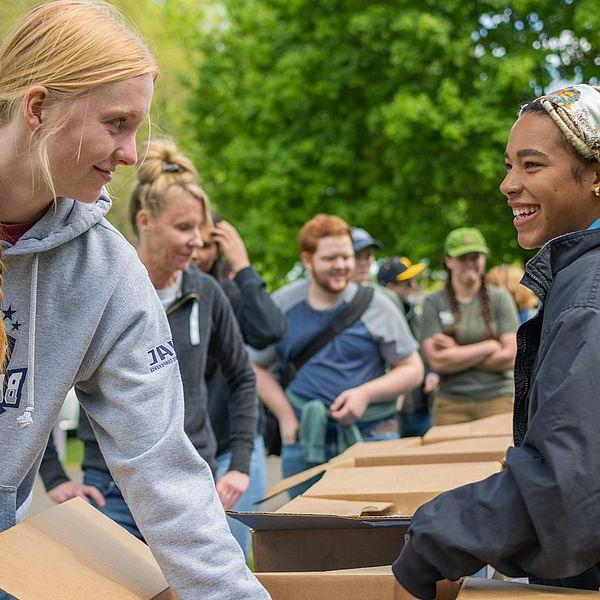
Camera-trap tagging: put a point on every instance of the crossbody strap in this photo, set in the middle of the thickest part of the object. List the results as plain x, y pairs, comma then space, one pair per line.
344, 319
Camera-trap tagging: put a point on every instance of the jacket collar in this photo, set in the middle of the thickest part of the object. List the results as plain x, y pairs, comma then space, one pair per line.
554, 256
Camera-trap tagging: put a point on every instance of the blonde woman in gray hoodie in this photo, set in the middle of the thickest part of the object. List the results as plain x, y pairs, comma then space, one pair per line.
79, 308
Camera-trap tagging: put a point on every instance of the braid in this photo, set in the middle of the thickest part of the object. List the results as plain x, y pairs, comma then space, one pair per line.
452, 330
486, 309
3, 337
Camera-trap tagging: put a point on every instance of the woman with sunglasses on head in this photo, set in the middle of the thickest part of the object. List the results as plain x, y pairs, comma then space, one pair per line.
75, 85
540, 516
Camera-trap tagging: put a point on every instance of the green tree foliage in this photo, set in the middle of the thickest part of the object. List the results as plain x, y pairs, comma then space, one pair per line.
393, 114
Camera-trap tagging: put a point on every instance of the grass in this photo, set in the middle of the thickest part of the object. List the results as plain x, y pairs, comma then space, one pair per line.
74, 452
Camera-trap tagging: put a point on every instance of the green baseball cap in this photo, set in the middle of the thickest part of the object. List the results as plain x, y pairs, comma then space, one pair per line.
464, 240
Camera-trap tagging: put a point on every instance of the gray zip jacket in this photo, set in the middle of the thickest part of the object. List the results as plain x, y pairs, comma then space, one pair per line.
81, 311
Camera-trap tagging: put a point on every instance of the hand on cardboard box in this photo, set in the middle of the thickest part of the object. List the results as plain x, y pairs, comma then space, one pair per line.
231, 486
71, 489
350, 406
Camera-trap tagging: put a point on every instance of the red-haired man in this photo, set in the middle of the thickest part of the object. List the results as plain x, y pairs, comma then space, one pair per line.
347, 390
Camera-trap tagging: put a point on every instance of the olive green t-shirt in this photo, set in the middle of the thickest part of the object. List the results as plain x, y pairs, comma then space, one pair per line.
474, 383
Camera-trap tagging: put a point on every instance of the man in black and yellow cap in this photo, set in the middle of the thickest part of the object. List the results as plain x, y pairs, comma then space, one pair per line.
398, 275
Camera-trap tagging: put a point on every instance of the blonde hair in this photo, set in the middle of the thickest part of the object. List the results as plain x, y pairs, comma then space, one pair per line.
509, 277
69, 47
164, 168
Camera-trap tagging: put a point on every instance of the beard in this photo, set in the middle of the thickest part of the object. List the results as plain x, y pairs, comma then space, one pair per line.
323, 280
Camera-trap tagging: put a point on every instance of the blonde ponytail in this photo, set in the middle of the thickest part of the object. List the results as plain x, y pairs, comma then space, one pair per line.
163, 167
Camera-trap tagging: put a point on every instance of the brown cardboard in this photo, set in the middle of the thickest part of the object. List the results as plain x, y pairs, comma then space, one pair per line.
371, 583
72, 551
407, 487
479, 449
498, 425
375, 583
303, 505
346, 459
289, 542
492, 589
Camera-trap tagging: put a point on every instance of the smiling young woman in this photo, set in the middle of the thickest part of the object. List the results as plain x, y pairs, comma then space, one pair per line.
540, 515
75, 84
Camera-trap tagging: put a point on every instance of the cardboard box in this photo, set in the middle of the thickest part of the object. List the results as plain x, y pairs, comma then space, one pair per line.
72, 551
304, 505
410, 452
498, 425
491, 589
285, 542
478, 449
346, 459
407, 487
354, 517
374, 583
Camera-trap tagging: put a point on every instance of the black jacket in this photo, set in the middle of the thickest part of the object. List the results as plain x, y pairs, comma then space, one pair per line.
220, 339
261, 324
540, 516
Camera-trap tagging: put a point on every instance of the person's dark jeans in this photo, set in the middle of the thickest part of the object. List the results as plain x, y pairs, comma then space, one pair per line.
415, 424
115, 508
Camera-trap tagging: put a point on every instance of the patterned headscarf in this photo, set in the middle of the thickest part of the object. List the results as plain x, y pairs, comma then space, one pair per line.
576, 112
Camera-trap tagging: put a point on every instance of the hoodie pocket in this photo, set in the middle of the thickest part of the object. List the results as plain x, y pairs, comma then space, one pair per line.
8, 506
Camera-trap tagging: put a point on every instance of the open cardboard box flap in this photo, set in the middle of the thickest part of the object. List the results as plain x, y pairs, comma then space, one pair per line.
292, 521
345, 459
492, 589
497, 425
72, 551
303, 505
407, 487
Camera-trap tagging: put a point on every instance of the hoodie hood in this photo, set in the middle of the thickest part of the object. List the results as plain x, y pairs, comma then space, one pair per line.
60, 224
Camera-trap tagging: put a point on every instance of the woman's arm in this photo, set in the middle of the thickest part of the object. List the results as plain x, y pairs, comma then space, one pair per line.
272, 394
504, 358
135, 405
227, 350
446, 356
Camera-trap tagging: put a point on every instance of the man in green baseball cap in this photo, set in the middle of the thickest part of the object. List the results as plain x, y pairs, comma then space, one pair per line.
465, 240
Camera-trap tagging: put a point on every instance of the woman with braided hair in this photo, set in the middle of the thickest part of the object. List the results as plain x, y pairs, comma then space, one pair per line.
540, 516
469, 336
76, 83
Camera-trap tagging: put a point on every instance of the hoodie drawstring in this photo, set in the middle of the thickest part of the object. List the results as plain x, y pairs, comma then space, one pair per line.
195, 324
26, 418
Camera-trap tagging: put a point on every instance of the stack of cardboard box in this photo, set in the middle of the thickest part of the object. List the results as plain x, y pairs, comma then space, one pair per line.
357, 515
336, 540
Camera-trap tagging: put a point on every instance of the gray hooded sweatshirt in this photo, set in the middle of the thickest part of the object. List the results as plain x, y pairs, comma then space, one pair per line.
80, 310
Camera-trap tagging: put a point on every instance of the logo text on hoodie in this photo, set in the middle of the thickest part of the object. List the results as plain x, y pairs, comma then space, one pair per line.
11, 382
12, 386
161, 356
